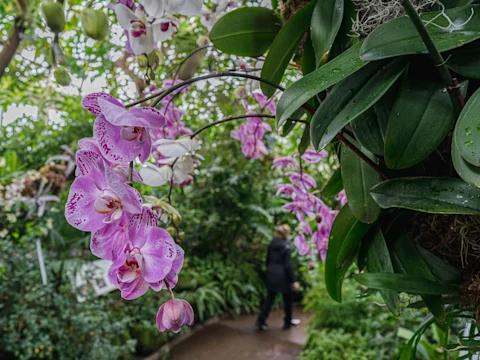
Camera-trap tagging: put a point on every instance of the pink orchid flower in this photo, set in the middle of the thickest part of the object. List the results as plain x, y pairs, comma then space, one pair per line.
106, 242
89, 149
264, 101
99, 197
174, 314
301, 244
313, 157
285, 162
146, 259
172, 277
122, 135
342, 197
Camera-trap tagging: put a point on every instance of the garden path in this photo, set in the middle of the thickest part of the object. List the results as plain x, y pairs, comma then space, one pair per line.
237, 339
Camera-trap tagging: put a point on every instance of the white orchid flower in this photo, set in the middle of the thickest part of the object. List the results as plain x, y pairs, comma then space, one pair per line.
154, 8
176, 148
156, 176
139, 29
182, 168
184, 7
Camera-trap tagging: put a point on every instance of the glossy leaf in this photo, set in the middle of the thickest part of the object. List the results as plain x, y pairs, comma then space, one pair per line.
346, 229
378, 261
466, 61
468, 172
314, 83
247, 31
370, 132
305, 140
334, 184
427, 194
284, 47
409, 350
467, 130
399, 36
308, 57
441, 270
326, 20
358, 178
421, 118
352, 97
404, 283
414, 264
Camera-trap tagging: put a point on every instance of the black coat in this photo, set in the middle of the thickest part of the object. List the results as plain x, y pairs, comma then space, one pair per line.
279, 276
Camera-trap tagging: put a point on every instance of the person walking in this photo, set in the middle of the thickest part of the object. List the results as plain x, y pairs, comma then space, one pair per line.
279, 278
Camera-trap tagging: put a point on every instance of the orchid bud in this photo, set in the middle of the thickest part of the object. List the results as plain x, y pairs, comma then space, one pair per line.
62, 76
172, 231
177, 219
240, 92
95, 24
155, 58
174, 314
53, 15
203, 41
142, 61
181, 235
318, 218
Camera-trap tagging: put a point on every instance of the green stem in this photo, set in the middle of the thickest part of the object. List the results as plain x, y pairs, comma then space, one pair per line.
453, 86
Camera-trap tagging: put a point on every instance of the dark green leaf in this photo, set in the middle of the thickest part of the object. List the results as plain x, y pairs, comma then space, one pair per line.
455, 3
467, 130
466, 61
414, 264
404, 283
421, 118
308, 58
247, 31
344, 37
409, 350
284, 47
326, 20
399, 36
305, 141
334, 184
316, 82
346, 228
378, 261
289, 124
431, 195
443, 272
353, 96
369, 132
358, 178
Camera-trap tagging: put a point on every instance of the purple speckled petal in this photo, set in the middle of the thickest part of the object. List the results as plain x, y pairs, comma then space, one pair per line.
130, 198
106, 243
158, 255
146, 148
119, 116
139, 226
90, 102
88, 162
154, 117
79, 209
135, 289
172, 277
111, 145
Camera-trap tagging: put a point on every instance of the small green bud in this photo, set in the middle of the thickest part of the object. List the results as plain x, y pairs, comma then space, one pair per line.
240, 92
181, 235
62, 76
155, 58
54, 15
142, 61
177, 219
95, 24
172, 231
203, 41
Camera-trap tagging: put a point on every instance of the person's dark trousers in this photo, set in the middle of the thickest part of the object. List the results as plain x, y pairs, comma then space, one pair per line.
267, 305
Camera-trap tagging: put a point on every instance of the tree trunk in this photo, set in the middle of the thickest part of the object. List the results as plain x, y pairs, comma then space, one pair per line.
11, 45
9, 49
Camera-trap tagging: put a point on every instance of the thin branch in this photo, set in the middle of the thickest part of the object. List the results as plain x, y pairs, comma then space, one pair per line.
307, 107
245, 116
453, 86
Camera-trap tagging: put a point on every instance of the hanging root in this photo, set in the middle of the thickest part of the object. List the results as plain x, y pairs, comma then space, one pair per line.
373, 13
